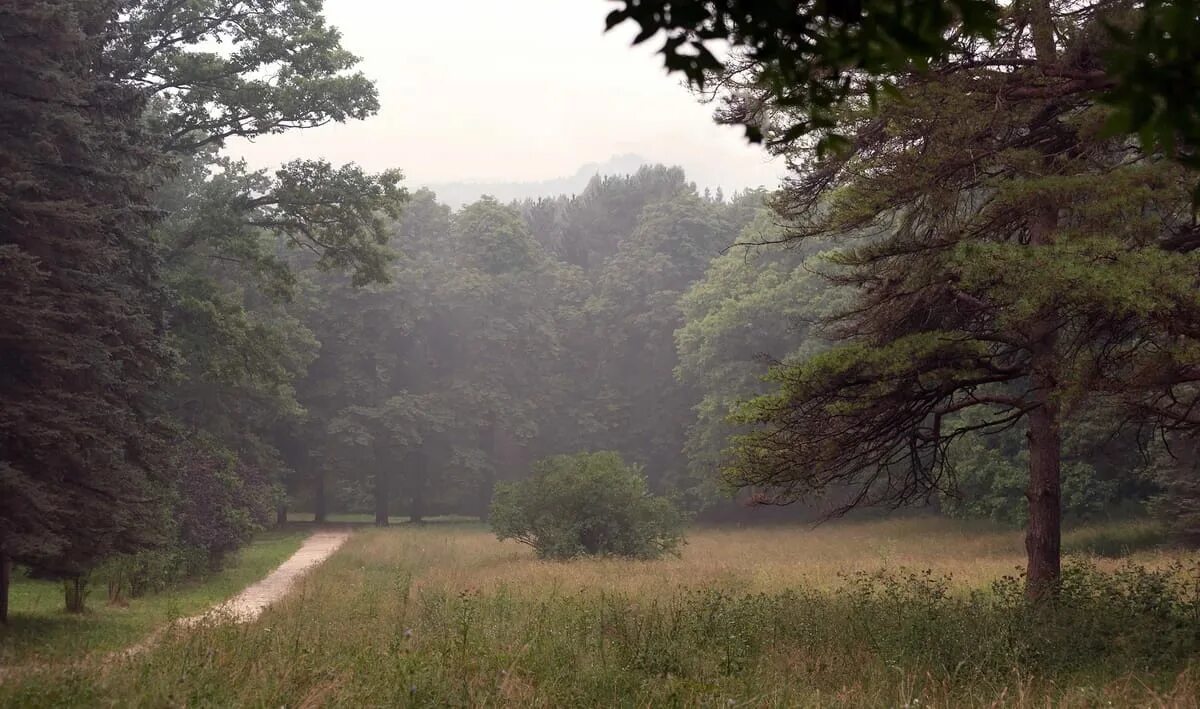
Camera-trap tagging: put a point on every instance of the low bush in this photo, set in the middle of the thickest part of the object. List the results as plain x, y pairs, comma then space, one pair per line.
586, 505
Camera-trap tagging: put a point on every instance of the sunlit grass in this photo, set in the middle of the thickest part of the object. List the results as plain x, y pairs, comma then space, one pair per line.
40, 631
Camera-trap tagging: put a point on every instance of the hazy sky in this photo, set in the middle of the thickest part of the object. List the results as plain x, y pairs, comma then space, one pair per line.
513, 90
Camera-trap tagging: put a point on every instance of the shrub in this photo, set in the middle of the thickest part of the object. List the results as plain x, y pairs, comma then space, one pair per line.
584, 505
222, 501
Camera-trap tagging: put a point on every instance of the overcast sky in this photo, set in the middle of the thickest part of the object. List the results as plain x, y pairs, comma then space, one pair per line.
516, 90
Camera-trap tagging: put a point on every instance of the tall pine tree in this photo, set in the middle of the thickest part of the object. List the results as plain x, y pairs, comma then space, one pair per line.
1013, 257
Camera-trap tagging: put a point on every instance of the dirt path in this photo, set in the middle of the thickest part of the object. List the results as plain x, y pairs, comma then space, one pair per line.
251, 602
254, 599
242, 608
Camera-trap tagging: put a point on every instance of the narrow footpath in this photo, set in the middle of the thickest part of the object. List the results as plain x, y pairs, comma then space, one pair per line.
242, 608
254, 599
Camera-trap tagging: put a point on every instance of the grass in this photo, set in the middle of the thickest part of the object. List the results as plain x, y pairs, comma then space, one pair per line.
40, 631
783, 616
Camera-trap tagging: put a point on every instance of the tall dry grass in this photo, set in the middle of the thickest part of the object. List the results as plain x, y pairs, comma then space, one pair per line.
777, 558
447, 616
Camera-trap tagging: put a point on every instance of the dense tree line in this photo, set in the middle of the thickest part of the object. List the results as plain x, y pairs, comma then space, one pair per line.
145, 358
507, 333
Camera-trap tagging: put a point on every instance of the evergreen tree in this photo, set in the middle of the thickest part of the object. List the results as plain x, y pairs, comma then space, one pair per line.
1016, 259
81, 344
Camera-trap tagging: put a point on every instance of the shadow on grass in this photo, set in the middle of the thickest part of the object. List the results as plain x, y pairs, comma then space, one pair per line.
1117, 540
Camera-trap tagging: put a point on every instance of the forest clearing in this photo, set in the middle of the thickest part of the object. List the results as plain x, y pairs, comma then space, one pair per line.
475, 353
855, 613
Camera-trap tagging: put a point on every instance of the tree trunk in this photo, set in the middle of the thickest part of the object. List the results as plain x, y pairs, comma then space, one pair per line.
5, 577
1043, 536
75, 594
419, 475
320, 505
281, 514
1041, 27
382, 491
416, 507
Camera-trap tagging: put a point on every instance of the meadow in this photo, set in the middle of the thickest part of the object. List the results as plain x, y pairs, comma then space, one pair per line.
910, 612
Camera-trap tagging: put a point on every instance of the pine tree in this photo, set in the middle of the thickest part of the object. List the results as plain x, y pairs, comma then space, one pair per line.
1013, 257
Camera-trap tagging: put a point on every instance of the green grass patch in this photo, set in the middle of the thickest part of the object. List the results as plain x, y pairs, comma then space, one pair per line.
40, 631
1116, 539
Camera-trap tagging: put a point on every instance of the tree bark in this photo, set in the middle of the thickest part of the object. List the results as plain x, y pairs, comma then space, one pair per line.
5, 578
281, 514
382, 492
1043, 535
320, 505
1041, 26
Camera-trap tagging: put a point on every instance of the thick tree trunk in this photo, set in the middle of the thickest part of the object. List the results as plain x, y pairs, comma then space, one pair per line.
5, 577
382, 492
320, 505
1043, 536
281, 514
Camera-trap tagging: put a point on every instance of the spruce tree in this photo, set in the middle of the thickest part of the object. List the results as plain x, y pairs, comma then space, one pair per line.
80, 332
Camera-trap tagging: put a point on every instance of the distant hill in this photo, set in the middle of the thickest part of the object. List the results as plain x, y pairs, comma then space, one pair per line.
456, 194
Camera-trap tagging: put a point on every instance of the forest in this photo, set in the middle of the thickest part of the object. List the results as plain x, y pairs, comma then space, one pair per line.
969, 314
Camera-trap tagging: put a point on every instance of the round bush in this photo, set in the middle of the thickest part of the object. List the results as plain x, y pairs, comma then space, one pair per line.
586, 504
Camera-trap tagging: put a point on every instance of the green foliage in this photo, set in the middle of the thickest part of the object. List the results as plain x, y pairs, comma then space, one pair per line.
815, 59
586, 504
814, 56
1177, 504
222, 501
1153, 57
82, 452
280, 68
756, 305
995, 269
991, 479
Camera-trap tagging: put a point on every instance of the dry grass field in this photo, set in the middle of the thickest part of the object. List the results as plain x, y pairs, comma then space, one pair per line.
848, 614
776, 558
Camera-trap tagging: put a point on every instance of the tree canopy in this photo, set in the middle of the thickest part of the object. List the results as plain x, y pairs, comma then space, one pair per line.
814, 60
